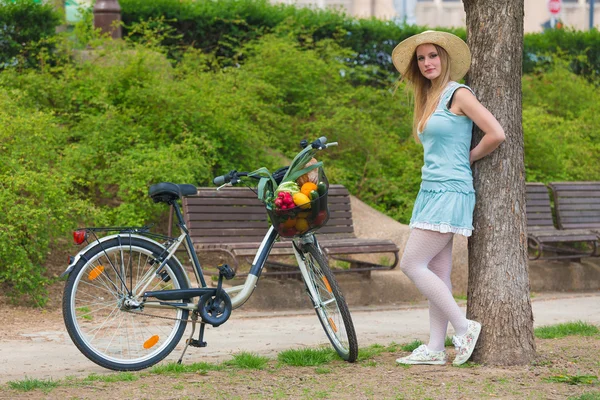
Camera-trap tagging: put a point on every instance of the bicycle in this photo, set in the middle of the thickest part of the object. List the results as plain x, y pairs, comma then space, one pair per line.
128, 299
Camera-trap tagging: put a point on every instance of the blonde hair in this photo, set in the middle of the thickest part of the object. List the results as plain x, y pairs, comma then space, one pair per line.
426, 92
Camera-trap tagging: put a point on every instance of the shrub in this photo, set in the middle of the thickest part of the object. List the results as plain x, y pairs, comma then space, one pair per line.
24, 24
37, 196
560, 125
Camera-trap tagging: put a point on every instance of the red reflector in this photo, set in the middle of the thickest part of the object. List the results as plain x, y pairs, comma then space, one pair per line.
79, 236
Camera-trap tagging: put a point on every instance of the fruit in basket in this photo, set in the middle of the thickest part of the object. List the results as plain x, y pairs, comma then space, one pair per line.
301, 225
320, 218
311, 176
290, 223
301, 200
288, 232
307, 188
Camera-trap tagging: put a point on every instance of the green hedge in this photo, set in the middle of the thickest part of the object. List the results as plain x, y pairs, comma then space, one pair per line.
23, 26
222, 27
581, 47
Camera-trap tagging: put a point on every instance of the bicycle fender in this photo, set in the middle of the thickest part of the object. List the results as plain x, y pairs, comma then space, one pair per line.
81, 254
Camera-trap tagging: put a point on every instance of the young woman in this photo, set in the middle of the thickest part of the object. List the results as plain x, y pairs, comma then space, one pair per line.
431, 62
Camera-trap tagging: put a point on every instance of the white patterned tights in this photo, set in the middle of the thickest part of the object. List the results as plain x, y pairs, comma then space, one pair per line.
427, 261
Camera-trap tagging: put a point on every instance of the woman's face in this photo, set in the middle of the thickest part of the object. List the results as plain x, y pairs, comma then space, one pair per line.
429, 61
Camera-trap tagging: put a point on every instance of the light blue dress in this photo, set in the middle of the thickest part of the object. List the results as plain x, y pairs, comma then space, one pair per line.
446, 199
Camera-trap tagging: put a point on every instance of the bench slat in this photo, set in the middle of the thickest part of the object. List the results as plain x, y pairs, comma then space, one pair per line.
576, 193
578, 200
587, 206
587, 214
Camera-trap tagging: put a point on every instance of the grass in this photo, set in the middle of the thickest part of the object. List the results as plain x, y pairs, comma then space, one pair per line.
307, 357
29, 384
119, 377
247, 360
411, 346
174, 368
468, 364
587, 396
567, 329
375, 350
85, 311
573, 379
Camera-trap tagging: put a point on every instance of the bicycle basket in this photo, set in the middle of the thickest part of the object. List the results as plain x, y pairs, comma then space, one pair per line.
305, 218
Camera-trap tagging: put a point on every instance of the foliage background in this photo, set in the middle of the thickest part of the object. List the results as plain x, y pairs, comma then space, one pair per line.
198, 88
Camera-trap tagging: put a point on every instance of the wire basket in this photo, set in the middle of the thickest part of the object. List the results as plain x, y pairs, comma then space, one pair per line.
307, 218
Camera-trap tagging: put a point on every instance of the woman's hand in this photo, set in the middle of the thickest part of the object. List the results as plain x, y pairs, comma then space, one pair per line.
467, 104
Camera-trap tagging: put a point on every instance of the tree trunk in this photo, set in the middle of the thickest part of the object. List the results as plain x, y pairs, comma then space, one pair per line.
498, 294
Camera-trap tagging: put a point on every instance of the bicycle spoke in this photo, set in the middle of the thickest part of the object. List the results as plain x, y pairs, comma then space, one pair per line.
98, 309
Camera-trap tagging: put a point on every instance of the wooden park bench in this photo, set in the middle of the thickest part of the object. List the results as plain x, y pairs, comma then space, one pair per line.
577, 205
234, 222
544, 240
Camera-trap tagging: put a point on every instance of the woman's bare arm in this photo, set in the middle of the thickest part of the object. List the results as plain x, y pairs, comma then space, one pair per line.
466, 103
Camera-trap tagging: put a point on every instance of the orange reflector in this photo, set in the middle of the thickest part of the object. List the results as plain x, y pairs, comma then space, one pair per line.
95, 272
327, 284
151, 342
333, 326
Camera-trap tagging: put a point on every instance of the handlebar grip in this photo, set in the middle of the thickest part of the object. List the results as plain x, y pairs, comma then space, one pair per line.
219, 180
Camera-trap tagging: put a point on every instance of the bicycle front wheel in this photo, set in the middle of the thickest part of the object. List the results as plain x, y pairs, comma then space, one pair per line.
103, 309
329, 303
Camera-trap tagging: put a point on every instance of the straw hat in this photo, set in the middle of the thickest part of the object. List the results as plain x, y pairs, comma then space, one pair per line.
458, 51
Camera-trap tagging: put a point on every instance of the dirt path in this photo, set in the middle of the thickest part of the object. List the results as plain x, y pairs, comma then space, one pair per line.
36, 344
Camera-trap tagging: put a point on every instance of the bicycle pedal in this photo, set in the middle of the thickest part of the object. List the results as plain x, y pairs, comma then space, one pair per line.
226, 271
196, 343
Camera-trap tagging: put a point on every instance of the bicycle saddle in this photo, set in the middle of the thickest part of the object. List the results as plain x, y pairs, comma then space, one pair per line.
167, 191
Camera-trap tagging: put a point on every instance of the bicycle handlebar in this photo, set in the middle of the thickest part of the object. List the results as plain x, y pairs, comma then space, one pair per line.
319, 144
232, 177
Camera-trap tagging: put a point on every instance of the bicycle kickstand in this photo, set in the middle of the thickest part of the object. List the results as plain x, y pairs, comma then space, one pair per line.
191, 341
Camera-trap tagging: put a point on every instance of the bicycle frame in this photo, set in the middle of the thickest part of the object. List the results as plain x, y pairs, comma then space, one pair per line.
238, 294
241, 293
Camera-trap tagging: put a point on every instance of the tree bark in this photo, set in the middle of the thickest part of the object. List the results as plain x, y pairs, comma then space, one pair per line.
498, 293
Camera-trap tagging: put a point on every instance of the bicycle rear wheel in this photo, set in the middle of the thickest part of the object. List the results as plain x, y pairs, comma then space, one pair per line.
99, 305
330, 304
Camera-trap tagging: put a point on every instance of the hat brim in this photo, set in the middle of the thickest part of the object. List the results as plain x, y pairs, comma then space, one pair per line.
457, 49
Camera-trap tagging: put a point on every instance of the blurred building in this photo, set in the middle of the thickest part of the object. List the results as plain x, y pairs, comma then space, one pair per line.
451, 13
432, 13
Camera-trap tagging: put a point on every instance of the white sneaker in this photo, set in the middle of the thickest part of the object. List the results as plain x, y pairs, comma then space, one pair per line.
422, 355
465, 344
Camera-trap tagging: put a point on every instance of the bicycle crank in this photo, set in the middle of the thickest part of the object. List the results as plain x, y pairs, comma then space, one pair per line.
215, 309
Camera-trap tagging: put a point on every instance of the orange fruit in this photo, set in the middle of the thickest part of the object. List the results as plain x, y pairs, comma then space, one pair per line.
307, 188
290, 223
